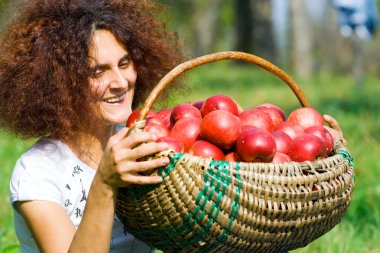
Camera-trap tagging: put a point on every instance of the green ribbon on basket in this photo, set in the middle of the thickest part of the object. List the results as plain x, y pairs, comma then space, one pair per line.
223, 166
165, 171
346, 156
217, 179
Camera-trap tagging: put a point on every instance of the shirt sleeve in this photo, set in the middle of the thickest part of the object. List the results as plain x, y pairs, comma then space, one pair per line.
35, 179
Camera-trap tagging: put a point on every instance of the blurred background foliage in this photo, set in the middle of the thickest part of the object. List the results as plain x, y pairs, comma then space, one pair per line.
298, 35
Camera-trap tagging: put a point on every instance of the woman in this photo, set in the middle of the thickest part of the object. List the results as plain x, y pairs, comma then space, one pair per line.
69, 71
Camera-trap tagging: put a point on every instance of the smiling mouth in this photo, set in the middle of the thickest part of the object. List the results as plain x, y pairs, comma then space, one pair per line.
115, 100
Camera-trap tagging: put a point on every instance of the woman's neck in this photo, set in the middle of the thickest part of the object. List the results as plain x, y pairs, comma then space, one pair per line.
89, 147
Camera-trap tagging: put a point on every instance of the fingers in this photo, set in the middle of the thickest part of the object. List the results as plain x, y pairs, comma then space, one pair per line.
136, 146
139, 152
136, 139
147, 149
130, 171
139, 179
143, 166
131, 140
122, 163
118, 137
123, 140
334, 129
344, 141
332, 122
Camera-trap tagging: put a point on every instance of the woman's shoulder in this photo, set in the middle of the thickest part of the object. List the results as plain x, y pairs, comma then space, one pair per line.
44, 156
45, 150
38, 173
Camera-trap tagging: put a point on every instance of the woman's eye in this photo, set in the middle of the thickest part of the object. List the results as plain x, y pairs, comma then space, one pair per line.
124, 64
98, 72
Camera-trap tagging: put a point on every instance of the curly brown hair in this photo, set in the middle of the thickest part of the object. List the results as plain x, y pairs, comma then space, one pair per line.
44, 64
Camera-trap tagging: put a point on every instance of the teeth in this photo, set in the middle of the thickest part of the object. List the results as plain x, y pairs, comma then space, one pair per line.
115, 99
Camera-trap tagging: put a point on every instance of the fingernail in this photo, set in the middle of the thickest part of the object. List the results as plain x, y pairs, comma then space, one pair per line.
164, 161
164, 145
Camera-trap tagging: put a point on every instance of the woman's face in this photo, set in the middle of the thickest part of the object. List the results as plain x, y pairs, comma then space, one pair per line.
114, 77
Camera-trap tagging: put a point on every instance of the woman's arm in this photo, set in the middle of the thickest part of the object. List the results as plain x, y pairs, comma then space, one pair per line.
50, 225
119, 167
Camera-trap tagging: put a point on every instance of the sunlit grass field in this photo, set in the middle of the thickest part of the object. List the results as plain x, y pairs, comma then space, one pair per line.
356, 109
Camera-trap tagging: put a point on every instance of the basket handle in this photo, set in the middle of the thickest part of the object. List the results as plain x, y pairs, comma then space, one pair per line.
227, 55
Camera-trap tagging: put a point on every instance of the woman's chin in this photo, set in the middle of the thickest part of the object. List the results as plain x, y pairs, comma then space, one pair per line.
114, 119
116, 115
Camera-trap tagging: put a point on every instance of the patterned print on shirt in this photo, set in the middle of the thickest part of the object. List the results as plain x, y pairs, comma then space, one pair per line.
77, 170
78, 213
84, 198
84, 195
68, 203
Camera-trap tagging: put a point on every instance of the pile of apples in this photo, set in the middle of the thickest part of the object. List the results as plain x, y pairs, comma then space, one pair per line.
220, 128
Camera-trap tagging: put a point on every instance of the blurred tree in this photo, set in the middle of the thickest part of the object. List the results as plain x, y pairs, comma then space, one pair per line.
244, 25
302, 39
201, 24
324, 35
253, 27
205, 21
280, 29
262, 43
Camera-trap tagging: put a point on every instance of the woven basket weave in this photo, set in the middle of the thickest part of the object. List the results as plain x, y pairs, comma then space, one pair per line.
204, 205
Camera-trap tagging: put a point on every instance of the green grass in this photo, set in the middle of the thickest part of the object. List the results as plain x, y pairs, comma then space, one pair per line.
10, 149
357, 111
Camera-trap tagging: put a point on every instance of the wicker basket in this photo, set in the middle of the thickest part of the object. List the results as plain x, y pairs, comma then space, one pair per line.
205, 205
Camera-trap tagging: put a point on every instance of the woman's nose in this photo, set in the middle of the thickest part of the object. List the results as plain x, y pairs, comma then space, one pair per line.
119, 80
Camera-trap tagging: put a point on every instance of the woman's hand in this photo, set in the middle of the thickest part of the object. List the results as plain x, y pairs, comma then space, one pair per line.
334, 129
120, 165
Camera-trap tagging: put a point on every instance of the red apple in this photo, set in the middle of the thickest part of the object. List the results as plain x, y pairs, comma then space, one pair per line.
246, 128
290, 128
324, 134
221, 128
306, 147
231, 157
219, 102
157, 129
256, 145
182, 111
257, 118
173, 143
186, 130
281, 158
306, 117
277, 115
282, 141
270, 105
206, 149
134, 116
154, 120
164, 116
198, 104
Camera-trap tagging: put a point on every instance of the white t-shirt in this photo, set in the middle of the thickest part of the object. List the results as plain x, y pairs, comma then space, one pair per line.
50, 171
